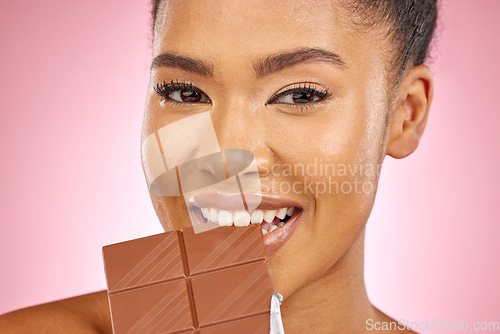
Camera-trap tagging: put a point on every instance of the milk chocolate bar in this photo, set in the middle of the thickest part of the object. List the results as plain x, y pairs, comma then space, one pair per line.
180, 282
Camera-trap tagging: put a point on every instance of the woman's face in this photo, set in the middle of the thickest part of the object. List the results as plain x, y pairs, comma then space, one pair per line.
319, 146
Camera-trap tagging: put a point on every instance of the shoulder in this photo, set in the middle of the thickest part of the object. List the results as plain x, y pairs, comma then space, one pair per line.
86, 314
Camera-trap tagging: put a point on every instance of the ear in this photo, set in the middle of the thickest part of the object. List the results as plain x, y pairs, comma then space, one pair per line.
409, 114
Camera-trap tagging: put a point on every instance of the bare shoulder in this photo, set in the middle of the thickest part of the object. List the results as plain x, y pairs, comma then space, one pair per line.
86, 314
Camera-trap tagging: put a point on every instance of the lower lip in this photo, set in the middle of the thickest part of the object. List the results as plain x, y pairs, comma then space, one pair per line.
276, 239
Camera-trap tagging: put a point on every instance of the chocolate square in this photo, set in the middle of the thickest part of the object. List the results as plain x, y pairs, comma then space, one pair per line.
162, 308
222, 247
143, 261
232, 293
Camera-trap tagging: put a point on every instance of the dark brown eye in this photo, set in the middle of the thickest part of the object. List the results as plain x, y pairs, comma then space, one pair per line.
190, 96
303, 97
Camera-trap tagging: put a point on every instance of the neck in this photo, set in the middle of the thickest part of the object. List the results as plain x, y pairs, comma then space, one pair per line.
336, 302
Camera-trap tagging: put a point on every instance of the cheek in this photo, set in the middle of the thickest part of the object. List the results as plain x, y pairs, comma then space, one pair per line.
171, 212
347, 150
343, 209
348, 134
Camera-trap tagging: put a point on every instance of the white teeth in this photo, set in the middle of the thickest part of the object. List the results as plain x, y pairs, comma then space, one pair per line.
257, 216
214, 215
273, 227
281, 213
264, 231
269, 215
241, 218
225, 218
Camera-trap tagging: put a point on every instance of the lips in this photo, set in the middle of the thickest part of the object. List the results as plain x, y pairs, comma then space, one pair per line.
277, 216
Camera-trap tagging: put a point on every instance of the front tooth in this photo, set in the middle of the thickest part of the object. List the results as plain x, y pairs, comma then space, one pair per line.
269, 215
241, 218
225, 218
214, 215
281, 213
264, 231
281, 224
273, 228
289, 212
257, 216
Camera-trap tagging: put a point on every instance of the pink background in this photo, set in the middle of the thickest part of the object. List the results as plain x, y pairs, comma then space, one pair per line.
73, 83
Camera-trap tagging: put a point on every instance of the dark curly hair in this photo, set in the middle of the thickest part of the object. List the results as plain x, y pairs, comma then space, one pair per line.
409, 23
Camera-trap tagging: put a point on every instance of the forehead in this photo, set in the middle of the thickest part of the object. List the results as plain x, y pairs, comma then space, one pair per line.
224, 30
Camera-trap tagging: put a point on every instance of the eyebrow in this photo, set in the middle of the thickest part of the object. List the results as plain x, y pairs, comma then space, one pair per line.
280, 61
263, 67
187, 64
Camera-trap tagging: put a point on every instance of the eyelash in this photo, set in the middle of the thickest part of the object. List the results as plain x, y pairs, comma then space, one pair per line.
163, 90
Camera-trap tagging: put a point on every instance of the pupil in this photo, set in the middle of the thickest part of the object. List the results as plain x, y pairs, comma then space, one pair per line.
302, 97
190, 96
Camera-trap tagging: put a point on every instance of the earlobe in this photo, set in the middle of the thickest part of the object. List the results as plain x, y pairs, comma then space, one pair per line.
410, 112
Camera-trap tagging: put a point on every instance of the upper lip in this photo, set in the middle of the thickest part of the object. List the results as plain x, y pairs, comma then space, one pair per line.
233, 201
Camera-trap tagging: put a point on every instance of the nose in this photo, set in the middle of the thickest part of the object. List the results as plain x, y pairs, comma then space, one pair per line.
239, 125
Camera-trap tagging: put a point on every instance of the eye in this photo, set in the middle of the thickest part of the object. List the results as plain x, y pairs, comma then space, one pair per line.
181, 92
300, 95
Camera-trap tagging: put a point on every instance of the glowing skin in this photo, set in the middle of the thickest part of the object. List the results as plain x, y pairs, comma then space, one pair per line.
319, 270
